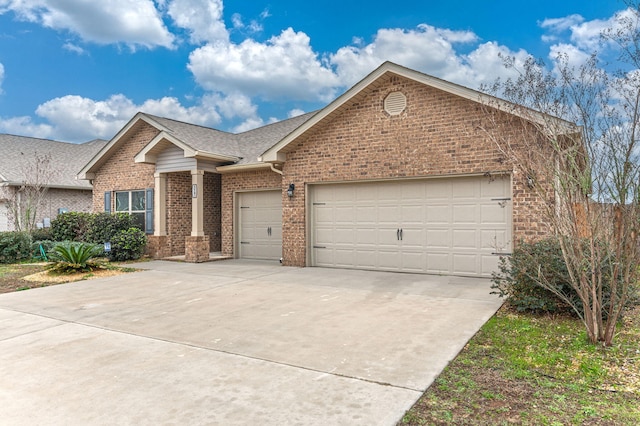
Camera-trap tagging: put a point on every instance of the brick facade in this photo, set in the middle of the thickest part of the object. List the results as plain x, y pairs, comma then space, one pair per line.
121, 173
255, 180
438, 134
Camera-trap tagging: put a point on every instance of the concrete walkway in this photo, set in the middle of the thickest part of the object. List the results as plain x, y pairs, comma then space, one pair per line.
234, 343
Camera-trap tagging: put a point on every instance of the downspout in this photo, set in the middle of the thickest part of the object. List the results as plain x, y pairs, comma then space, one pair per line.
273, 168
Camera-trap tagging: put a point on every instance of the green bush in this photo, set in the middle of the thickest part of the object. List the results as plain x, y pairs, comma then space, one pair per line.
15, 247
519, 274
71, 226
128, 245
102, 227
41, 234
75, 257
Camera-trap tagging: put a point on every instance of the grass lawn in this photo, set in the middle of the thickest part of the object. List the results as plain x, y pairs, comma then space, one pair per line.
537, 370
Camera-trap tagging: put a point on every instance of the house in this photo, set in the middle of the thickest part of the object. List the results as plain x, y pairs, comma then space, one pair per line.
396, 174
29, 165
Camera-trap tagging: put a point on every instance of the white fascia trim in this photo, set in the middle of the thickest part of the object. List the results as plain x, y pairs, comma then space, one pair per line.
237, 168
145, 156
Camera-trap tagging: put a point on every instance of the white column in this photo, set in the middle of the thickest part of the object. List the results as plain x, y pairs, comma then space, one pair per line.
197, 203
160, 204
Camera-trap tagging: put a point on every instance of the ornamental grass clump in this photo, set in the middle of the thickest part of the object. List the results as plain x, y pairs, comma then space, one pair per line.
71, 257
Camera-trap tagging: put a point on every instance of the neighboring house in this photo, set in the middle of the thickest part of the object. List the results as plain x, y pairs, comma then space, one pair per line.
396, 174
49, 164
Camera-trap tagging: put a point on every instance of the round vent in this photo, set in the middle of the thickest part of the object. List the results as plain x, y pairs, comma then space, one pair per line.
395, 103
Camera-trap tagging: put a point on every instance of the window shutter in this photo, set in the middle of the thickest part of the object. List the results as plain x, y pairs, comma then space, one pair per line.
107, 202
149, 211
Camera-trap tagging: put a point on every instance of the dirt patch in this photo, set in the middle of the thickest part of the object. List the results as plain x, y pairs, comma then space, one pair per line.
26, 276
47, 277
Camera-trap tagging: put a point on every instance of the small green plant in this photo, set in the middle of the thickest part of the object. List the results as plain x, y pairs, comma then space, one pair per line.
128, 245
73, 257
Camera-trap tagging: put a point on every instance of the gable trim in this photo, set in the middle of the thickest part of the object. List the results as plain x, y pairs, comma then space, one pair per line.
147, 154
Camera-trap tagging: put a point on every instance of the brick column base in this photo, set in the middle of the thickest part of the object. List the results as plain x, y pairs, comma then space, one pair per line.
158, 246
196, 249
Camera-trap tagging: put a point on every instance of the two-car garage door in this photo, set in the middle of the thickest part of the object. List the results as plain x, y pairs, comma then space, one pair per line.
442, 226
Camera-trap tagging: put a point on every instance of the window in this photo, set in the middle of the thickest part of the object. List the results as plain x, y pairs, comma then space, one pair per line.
132, 202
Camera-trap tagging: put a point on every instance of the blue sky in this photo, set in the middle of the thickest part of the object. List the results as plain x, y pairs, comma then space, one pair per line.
80, 69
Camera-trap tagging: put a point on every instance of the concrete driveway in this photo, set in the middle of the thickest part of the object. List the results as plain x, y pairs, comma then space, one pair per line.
232, 342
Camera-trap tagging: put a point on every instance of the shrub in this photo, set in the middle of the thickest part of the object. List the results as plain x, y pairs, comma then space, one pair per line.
15, 246
71, 226
103, 227
519, 277
75, 257
128, 245
41, 234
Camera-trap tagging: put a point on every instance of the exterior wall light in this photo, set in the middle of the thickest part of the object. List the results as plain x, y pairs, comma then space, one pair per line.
292, 187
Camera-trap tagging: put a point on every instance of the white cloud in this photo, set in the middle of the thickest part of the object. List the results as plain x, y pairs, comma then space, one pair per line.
486, 63
562, 24
71, 47
202, 18
235, 105
249, 124
24, 126
75, 118
425, 48
132, 22
285, 66
295, 112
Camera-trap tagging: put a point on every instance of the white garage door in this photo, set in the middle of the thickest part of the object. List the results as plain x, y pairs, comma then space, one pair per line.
441, 226
260, 225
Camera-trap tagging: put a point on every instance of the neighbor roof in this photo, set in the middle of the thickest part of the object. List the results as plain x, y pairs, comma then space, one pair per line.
19, 153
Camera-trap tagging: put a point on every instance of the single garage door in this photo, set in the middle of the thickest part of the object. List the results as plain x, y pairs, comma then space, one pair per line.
442, 226
260, 225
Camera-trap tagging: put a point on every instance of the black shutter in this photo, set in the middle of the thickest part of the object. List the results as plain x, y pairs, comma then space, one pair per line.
107, 202
149, 212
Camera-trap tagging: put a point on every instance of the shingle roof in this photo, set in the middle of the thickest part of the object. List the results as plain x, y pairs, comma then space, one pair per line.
17, 154
247, 145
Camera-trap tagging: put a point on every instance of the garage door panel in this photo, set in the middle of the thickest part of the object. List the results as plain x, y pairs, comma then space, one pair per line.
465, 214
439, 214
496, 188
497, 240
464, 239
448, 225
493, 214
439, 238
465, 263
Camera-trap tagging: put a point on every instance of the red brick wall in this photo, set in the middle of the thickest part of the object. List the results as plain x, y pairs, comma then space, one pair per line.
178, 210
437, 134
262, 179
212, 210
120, 172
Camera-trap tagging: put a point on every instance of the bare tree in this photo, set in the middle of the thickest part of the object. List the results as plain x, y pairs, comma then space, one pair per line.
28, 197
588, 173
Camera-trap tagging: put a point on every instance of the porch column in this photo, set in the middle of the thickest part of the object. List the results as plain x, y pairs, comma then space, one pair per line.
197, 203
160, 205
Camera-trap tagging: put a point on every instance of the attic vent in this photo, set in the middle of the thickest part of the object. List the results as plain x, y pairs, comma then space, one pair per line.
395, 103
